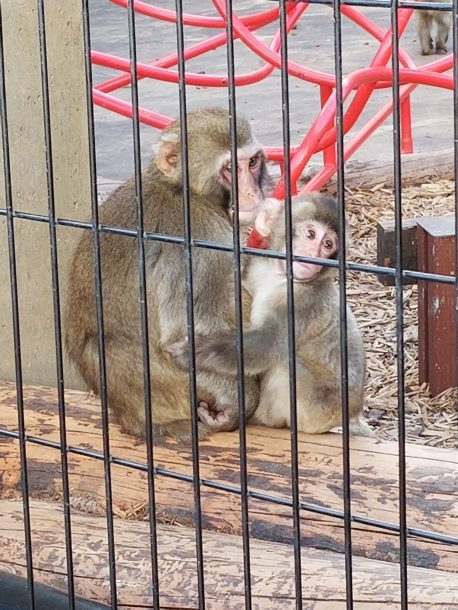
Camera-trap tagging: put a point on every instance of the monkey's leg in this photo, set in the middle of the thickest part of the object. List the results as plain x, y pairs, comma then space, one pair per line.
322, 412
130, 413
318, 411
424, 25
443, 27
316, 407
319, 404
126, 397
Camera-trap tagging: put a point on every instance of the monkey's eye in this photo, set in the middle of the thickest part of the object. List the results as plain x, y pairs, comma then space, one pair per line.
328, 245
254, 161
228, 167
310, 233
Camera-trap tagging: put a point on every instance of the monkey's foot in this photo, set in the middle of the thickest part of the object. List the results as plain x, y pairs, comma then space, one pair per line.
360, 427
180, 430
217, 420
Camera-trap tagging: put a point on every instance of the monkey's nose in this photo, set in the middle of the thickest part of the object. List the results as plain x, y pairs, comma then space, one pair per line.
256, 194
315, 252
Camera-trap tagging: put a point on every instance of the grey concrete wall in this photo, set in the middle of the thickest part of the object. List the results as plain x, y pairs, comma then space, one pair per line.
64, 33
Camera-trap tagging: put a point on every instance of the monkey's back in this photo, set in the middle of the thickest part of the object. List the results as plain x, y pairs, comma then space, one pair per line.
165, 284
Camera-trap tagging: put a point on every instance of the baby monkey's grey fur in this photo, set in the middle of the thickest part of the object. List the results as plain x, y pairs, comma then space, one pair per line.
317, 326
425, 20
208, 151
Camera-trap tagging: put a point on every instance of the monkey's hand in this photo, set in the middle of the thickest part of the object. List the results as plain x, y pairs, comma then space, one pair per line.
180, 353
216, 353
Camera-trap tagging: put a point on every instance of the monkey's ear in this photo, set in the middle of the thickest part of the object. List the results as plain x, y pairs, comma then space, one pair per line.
167, 155
268, 213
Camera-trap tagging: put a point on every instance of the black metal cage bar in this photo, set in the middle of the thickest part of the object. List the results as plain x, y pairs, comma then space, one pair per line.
190, 309
399, 304
143, 296
238, 306
290, 303
241, 489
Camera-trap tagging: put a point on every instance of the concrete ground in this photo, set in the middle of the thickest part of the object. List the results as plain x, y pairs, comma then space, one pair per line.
311, 43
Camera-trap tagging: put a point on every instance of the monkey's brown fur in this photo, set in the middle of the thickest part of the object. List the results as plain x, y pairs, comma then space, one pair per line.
208, 138
424, 22
317, 326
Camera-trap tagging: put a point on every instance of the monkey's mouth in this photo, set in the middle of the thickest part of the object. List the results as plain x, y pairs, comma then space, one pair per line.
302, 272
246, 214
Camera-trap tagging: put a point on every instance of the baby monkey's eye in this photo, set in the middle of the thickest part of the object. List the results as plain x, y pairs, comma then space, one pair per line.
329, 244
254, 161
228, 167
310, 233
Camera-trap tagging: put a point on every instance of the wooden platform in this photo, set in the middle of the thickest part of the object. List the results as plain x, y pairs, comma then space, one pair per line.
432, 504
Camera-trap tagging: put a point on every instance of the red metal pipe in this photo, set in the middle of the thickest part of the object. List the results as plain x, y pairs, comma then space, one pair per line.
321, 135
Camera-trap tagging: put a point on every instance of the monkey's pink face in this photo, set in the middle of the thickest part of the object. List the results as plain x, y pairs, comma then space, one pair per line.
312, 238
249, 175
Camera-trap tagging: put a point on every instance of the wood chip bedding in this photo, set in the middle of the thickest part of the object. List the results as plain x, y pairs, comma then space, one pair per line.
429, 421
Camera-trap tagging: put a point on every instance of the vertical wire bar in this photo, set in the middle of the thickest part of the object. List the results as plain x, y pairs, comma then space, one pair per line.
343, 307
143, 304
455, 152
238, 308
56, 301
290, 304
190, 303
399, 306
99, 307
16, 325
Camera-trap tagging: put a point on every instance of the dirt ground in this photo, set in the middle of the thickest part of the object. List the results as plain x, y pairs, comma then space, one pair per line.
429, 421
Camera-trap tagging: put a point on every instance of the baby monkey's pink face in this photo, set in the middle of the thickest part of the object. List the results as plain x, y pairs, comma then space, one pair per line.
312, 238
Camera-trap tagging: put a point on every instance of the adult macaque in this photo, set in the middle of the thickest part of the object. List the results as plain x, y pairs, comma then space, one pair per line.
317, 318
425, 20
210, 209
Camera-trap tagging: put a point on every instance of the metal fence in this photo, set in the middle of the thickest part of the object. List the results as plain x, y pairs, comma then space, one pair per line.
396, 77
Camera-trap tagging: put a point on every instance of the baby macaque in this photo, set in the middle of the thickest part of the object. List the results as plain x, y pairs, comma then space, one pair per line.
443, 21
317, 319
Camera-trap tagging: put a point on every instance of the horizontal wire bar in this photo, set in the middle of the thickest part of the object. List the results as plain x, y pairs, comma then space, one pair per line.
256, 495
439, 6
200, 243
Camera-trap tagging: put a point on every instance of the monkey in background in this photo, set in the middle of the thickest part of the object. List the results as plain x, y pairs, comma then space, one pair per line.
317, 320
424, 23
210, 208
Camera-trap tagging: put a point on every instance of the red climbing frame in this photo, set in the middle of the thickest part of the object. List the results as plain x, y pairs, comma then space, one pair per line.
321, 136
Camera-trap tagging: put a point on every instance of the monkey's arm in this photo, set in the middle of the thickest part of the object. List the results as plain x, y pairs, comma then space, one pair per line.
218, 352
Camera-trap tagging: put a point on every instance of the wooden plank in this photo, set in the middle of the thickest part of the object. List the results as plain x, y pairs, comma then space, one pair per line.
431, 475
416, 168
436, 305
375, 583
386, 249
